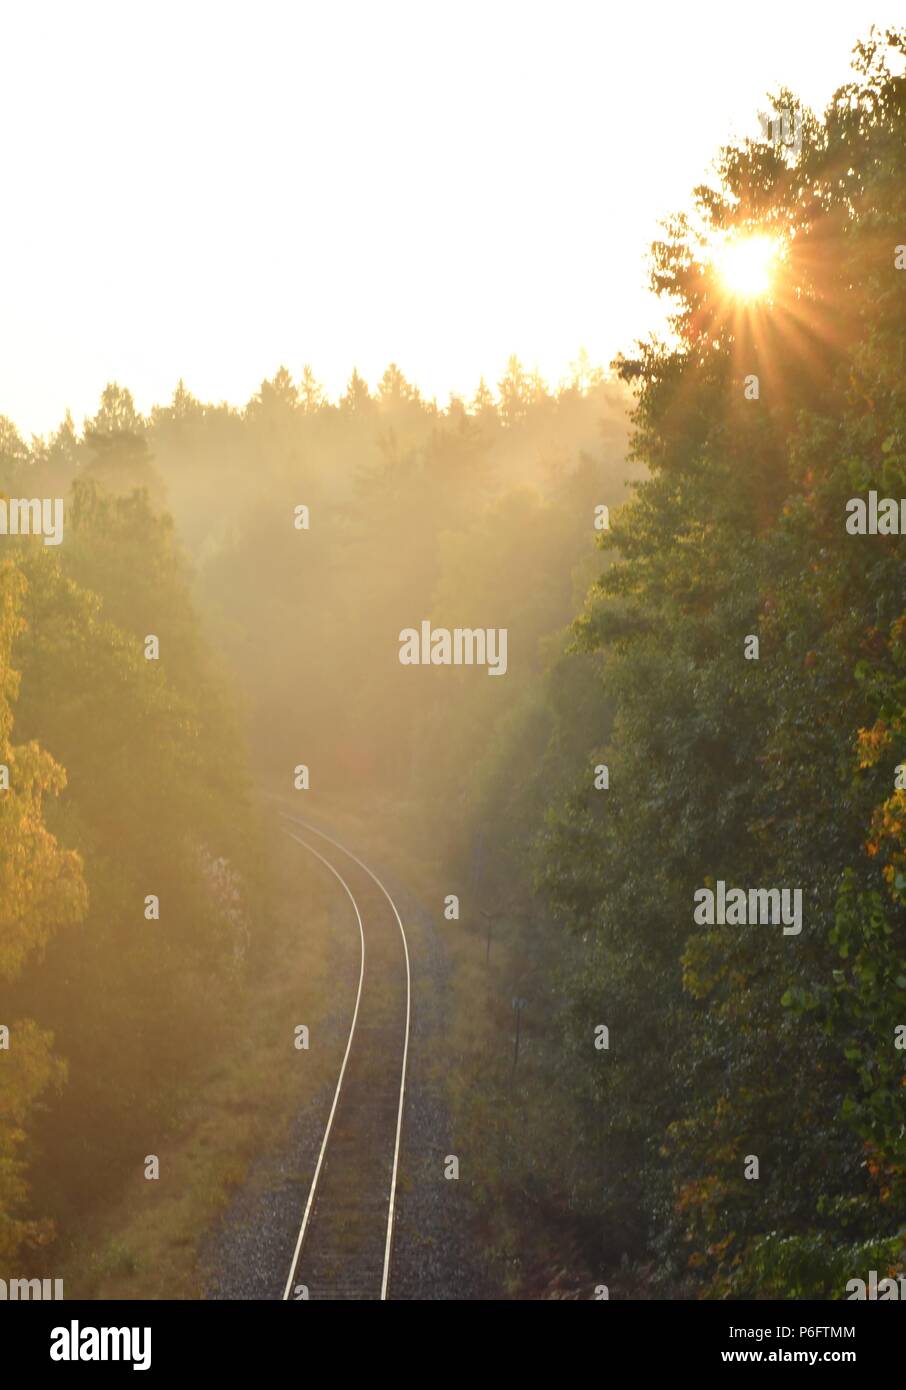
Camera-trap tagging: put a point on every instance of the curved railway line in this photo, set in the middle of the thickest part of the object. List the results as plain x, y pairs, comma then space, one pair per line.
345, 1241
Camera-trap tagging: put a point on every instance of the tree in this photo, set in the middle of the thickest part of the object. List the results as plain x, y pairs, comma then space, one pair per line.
311, 392
394, 390
41, 890
276, 400
14, 455
116, 413
357, 400
514, 390
721, 768
483, 408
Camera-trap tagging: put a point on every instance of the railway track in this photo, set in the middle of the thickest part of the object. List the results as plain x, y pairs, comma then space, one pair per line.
345, 1241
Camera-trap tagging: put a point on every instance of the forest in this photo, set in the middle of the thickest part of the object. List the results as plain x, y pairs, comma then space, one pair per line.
631, 529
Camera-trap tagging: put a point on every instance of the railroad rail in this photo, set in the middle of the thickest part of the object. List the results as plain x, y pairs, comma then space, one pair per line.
345, 1241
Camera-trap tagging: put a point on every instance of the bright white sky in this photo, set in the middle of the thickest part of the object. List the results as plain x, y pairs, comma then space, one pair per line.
208, 190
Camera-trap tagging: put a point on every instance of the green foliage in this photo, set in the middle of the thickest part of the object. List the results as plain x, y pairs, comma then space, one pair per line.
742, 1041
156, 802
416, 512
726, 1042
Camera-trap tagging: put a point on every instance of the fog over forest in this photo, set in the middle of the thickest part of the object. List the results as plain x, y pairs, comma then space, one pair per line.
553, 737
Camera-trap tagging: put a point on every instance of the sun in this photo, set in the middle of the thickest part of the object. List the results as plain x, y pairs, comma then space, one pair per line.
747, 265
